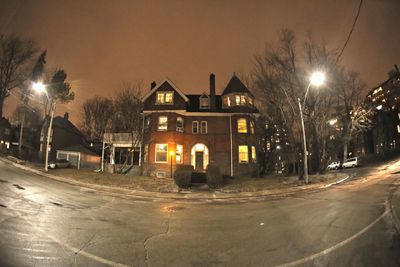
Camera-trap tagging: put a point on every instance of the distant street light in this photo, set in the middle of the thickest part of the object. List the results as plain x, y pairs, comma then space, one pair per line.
39, 87
316, 79
171, 153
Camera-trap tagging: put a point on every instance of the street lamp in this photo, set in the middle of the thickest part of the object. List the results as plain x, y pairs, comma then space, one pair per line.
316, 79
39, 87
171, 154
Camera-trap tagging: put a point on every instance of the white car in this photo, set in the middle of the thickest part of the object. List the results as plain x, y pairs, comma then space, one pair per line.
334, 165
351, 163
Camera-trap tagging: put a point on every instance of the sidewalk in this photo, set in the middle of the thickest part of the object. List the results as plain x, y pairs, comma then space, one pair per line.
227, 193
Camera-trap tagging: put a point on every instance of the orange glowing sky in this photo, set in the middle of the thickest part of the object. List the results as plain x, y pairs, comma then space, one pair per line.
104, 44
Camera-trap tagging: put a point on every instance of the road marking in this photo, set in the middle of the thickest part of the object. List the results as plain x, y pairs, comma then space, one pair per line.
338, 245
338, 182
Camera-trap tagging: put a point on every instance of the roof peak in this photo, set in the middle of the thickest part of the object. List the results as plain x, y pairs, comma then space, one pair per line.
235, 85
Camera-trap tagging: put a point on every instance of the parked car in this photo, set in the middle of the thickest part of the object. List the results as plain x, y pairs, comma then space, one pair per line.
351, 163
60, 163
334, 165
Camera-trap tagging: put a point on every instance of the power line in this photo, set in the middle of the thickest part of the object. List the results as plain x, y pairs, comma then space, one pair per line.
351, 31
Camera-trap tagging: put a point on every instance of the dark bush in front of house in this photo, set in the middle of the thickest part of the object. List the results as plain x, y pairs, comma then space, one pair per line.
214, 177
183, 176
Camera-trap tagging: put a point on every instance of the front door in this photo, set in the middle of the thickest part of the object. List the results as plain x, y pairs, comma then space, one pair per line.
199, 160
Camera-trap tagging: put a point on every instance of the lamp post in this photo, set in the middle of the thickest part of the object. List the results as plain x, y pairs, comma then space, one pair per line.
316, 79
41, 88
171, 154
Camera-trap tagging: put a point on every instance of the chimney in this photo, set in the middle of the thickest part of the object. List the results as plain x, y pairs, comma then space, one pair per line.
153, 85
212, 92
66, 116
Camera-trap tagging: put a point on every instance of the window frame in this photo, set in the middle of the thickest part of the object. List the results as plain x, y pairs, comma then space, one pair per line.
240, 153
145, 153
197, 127
238, 129
158, 124
155, 154
182, 128
204, 97
180, 154
164, 97
201, 127
253, 154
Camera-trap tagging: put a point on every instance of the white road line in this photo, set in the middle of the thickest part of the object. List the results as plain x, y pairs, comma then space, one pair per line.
338, 182
338, 245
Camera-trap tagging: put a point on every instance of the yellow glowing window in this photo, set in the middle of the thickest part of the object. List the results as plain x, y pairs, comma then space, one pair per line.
243, 100
242, 125
237, 100
165, 97
162, 123
162, 153
243, 154
179, 154
253, 153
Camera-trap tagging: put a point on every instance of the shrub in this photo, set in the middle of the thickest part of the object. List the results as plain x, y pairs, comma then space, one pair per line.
183, 176
214, 176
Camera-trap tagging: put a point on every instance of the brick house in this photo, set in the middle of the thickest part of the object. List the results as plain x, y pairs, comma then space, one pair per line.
199, 129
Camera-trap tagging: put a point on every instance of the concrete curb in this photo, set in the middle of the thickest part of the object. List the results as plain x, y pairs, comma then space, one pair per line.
395, 209
207, 197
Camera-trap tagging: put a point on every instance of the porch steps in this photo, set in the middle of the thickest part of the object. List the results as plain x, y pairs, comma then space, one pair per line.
199, 177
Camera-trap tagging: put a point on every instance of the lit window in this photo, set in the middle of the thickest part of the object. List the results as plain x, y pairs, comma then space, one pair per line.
227, 101
204, 102
161, 153
195, 127
251, 126
162, 123
165, 97
242, 125
203, 127
253, 153
179, 124
145, 153
237, 100
398, 128
147, 122
179, 154
243, 154
243, 100
250, 101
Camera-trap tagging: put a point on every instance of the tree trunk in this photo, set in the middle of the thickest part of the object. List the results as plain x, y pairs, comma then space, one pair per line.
345, 150
21, 131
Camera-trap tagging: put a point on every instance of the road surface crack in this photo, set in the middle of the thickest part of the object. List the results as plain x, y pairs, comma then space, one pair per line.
167, 223
87, 244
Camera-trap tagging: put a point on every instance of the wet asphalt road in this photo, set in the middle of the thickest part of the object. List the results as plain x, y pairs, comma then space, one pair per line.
48, 223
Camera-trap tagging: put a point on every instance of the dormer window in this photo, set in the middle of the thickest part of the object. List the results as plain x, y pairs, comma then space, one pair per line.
243, 100
165, 98
204, 101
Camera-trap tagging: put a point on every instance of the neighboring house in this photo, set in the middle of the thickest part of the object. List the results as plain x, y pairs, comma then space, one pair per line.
199, 130
385, 99
64, 134
80, 157
5, 135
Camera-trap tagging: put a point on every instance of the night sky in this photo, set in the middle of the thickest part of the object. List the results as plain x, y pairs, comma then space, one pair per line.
104, 44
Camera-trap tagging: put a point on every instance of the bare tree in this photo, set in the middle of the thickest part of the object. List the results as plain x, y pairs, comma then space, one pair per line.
97, 114
127, 112
16, 56
31, 115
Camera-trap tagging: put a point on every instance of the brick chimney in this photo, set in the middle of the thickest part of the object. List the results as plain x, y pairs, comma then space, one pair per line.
212, 92
153, 85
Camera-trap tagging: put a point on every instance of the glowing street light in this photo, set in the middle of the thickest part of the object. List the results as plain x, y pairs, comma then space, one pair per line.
39, 87
316, 79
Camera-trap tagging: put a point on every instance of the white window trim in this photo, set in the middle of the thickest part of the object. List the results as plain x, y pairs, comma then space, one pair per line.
155, 153
176, 162
198, 129
208, 101
164, 93
158, 124
201, 128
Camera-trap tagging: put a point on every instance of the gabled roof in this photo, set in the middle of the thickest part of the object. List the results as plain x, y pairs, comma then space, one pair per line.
79, 148
166, 80
235, 85
194, 104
